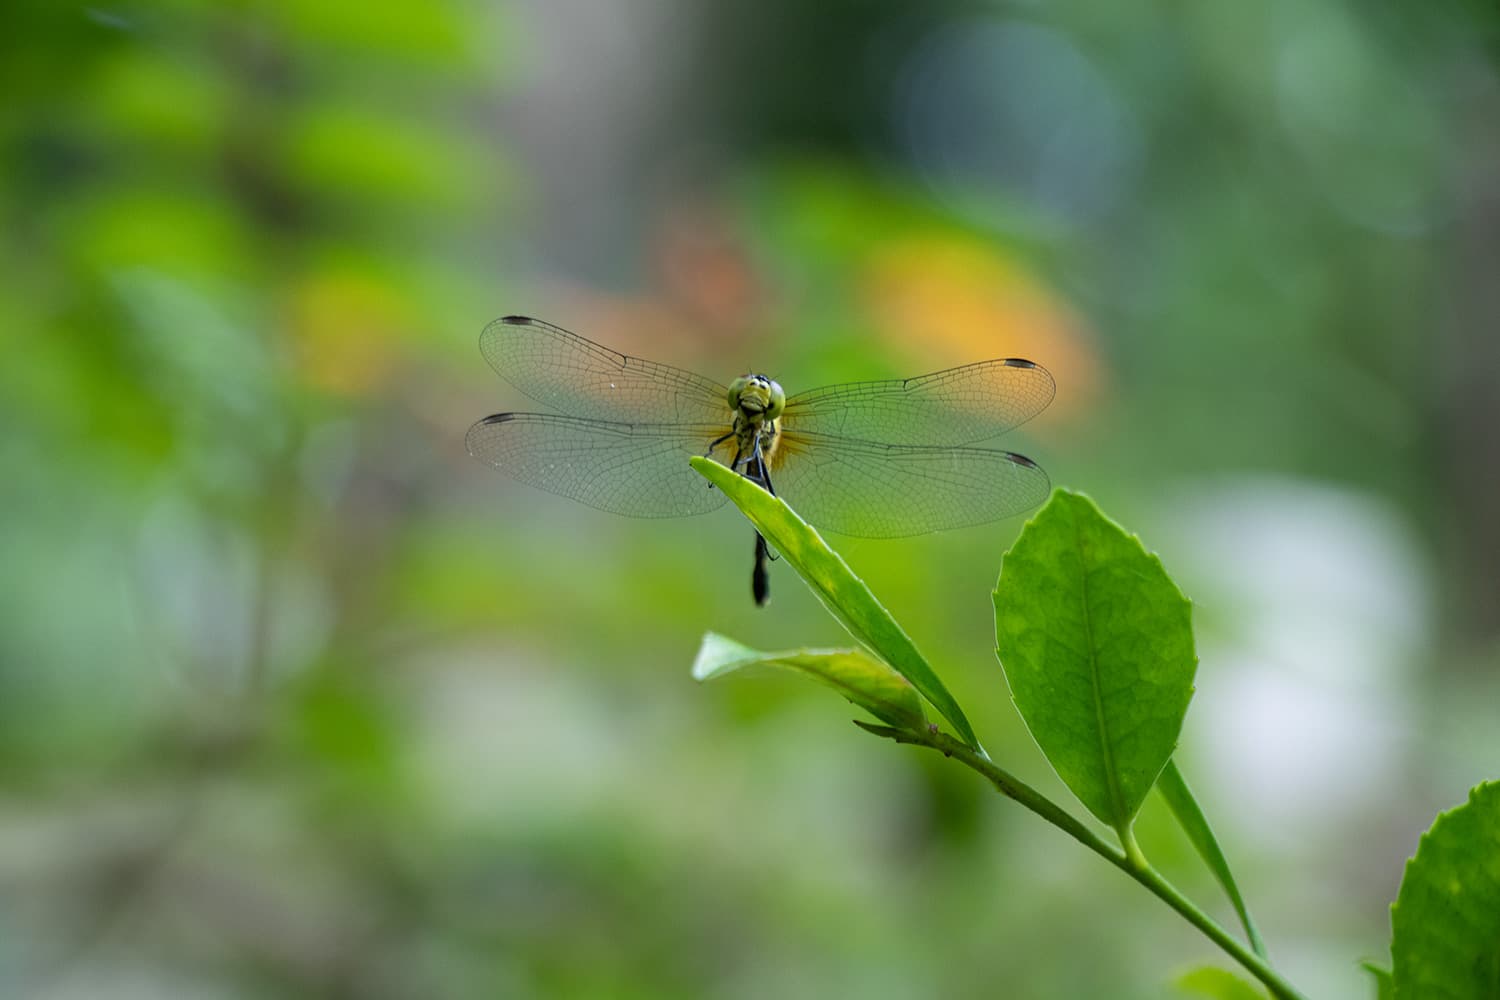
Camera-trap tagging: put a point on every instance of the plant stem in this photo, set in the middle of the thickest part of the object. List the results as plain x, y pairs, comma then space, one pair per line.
1129, 861
1133, 853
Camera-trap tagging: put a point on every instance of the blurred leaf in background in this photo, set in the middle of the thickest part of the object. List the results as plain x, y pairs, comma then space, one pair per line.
296, 700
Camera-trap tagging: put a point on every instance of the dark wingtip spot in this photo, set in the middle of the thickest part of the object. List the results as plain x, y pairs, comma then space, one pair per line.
1020, 363
514, 320
498, 418
1018, 459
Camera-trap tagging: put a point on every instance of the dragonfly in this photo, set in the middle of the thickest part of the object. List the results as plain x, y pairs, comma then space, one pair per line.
878, 459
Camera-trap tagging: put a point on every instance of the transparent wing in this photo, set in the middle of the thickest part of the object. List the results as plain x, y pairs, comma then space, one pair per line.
889, 490
578, 377
954, 407
640, 470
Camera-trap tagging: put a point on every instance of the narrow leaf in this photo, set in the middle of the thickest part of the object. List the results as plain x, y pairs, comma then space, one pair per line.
1385, 986
1445, 926
1217, 984
842, 593
1190, 817
867, 682
1097, 645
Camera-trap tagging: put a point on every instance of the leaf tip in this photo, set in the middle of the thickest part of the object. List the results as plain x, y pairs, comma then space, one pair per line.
716, 655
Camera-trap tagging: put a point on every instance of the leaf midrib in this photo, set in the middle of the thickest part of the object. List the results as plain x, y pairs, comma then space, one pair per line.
849, 691
1111, 775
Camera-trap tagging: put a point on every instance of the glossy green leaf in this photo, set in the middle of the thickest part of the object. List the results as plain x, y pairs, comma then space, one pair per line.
867, 682
1217, 984
1445, 926
1190, 817
1097, 645
842, 593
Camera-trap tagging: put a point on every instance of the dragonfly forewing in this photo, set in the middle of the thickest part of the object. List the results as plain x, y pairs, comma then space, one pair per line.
578, 377
959, 406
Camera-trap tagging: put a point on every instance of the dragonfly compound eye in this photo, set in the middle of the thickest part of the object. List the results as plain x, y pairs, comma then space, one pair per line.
777, 402
735, 388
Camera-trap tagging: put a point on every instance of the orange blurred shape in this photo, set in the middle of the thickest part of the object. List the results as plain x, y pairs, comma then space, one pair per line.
707, 300
343, 330
704, 265
945, 300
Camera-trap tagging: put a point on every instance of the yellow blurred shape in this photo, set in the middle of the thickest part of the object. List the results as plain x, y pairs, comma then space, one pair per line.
343, 328
949, 300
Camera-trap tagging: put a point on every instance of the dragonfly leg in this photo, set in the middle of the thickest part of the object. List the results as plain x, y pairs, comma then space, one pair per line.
755, 471
734, 466
762, 474
716, 443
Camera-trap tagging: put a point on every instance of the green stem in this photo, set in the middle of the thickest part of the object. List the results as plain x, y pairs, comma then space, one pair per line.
1133, 852
1130, 861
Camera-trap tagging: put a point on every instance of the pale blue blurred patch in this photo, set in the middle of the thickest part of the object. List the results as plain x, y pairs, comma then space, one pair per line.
1007, 116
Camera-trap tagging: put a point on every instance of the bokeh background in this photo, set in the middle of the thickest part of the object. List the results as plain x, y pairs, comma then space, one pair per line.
297, 700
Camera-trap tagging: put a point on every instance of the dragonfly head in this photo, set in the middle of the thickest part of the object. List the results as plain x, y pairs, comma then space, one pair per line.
757, 397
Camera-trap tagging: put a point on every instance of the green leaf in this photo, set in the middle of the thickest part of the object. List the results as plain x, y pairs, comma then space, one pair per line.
842, 593
1097, 645
867, 682
1217, 984
1445, 925
1190, 817
1385, 986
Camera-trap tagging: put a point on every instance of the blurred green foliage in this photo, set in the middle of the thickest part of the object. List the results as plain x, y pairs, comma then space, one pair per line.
297, 701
